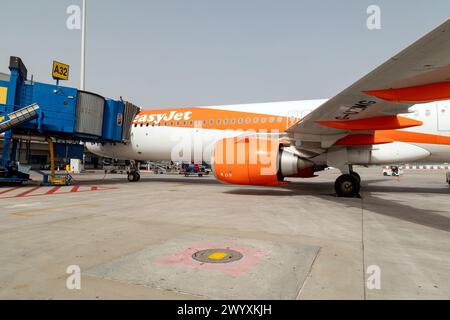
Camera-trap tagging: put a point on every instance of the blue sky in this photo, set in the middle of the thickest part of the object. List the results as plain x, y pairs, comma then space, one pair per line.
207, 52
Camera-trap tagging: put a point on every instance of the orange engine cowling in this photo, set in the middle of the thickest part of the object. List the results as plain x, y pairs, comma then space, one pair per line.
255, 161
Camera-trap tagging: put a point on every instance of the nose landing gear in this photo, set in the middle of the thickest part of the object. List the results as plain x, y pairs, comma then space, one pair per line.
134, 176
133, 173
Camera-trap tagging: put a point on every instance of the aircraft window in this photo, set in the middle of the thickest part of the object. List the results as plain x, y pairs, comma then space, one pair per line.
263, 120
184, 123
271, 119
178, 123
142, 124
171, 123
240, 120
428, 113
225, 121
255, 120
211, 121
204, 121
191, 123
248, 120
218, 121
153, 124
135, 125
232, 121
147, 124
280, 119
165, 123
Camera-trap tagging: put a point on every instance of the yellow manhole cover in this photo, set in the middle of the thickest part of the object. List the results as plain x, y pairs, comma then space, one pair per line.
217, 255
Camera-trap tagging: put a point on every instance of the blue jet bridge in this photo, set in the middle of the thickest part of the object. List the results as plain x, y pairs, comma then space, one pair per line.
48, 112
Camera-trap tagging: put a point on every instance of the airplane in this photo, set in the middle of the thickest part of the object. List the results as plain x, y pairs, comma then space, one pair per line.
398, 113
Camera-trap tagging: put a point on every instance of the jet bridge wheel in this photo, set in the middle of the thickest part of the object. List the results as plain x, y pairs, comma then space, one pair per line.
347, 186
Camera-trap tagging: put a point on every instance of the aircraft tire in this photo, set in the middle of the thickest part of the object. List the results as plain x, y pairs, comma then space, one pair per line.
347, 186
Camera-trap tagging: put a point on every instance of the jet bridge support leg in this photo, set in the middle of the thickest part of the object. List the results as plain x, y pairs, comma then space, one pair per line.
6, 145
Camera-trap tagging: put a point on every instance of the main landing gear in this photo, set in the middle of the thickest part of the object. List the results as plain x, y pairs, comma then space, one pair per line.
348, 185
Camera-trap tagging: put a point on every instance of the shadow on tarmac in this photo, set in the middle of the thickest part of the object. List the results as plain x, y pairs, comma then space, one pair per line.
369, 201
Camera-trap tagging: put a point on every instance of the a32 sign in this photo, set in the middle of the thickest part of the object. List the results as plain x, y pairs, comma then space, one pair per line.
60, 71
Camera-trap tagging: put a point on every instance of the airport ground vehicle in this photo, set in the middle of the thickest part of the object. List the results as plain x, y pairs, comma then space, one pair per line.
193, 169
393, 171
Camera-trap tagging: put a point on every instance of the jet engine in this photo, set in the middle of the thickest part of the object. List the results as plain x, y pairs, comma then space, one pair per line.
257, 161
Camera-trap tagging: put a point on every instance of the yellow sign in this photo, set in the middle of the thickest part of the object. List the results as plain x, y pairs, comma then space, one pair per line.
3, 94
60, 71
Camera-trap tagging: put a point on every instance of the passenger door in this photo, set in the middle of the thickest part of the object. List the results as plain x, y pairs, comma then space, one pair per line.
443, 114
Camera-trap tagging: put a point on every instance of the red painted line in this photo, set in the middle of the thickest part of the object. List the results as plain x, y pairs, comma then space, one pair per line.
75, 189
63, 192
94, 188
53, 190
10, 189
30, 190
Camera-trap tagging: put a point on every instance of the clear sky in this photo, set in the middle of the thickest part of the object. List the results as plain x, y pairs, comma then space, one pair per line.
206, 52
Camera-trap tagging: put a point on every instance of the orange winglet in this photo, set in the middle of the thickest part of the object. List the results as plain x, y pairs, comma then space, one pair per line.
426, 93
362, 140
376, 123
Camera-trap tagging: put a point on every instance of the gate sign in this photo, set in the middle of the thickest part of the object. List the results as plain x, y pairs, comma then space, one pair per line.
60, 71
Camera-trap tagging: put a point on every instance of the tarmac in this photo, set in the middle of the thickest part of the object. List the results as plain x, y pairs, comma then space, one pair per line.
298, 241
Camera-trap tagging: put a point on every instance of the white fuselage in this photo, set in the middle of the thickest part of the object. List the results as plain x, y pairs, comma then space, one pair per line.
185, 138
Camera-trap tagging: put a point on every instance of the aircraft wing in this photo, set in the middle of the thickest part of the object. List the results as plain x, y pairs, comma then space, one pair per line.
418, 74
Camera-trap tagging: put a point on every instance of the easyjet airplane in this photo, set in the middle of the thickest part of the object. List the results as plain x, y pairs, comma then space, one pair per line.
398, 113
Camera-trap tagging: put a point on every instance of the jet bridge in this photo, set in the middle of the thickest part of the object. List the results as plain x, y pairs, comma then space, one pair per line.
55, 113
